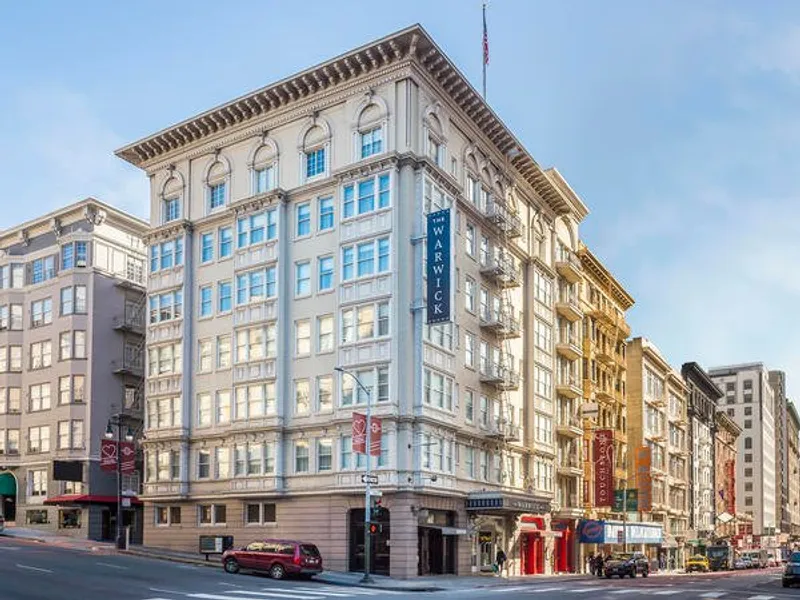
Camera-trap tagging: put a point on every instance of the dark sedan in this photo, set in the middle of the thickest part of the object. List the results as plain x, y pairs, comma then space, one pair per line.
791, 572
627, 564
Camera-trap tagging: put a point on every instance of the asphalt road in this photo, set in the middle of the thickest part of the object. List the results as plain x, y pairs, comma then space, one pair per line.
34, 571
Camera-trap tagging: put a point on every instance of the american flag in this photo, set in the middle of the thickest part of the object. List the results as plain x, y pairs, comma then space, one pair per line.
485, 38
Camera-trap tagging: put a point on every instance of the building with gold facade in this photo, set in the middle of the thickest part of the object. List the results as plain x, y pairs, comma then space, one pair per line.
604, 303
657, 418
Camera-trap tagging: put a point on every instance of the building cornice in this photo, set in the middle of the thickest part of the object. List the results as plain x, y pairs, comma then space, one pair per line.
577, 207
694, 372
728, 424
409, 46
90, 209
604, 277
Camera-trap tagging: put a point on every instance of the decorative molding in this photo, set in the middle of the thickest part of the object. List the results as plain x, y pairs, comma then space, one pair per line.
55, 225
168, 231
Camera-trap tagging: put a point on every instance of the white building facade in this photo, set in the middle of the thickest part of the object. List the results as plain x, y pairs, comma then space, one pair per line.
749, 400
289, 239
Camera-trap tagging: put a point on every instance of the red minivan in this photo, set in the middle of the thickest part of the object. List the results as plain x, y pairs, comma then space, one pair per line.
276, 557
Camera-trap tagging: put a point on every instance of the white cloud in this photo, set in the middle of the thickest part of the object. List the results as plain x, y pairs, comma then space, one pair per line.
63, 153
779, 52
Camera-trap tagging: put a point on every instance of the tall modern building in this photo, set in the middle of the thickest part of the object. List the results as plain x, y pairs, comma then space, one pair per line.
657, 418
289, 238
702, 399
71, 288
750, 401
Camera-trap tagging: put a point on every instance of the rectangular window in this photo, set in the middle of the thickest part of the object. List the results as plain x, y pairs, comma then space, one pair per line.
325, 334
326, 217
41, 354
224, 294
79, 344
204, 353
222, 465
204, 410
225, 241
324, 455
302, 341
206, 301
371, 142
166, 307
216, 196
360, 198
39, 439
303, 219
172, 209
222, 410
366, 258
203, 464
43, 269
438, 390
301, 457
348, 262
224, 352
41, 312
469, 406
469, 239
302, 400
315, 162
37, 486
302, 278
324, 393
206, 247
469, 295
325, 268
469, 349
264, 179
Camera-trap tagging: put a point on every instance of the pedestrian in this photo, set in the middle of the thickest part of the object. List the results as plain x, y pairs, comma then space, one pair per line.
590, 563
501, 561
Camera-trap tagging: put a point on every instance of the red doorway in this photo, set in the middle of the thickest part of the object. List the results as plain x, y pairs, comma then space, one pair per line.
533, 547
564, 548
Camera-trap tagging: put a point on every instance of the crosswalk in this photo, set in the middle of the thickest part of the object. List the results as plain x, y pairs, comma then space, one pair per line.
662, 592
321, 592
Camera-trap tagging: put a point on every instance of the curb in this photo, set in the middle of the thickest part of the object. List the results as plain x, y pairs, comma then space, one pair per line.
388, 588
177, 559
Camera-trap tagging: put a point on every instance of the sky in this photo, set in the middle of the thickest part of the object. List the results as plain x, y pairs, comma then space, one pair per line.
676, 121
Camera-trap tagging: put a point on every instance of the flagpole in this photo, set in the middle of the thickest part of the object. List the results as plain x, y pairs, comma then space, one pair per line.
485, 46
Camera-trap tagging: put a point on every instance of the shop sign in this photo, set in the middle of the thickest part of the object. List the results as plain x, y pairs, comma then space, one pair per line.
439, 267
604, 467
485, 537
499, 502
642, 460
454, 531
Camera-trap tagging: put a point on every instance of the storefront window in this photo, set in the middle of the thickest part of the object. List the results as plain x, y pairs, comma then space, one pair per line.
380, 542
69, 518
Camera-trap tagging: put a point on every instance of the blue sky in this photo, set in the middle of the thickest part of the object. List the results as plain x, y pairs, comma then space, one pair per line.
677, 121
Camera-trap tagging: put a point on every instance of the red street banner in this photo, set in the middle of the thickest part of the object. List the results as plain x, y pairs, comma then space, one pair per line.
730, 486
604, 467
108, 456
360, 434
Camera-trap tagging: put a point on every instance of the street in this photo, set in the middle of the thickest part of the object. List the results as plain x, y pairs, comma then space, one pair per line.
35, 571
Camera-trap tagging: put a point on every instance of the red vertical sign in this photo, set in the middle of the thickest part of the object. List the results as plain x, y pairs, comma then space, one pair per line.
642, 462
360, 434
730, 484
604, 467
108, 455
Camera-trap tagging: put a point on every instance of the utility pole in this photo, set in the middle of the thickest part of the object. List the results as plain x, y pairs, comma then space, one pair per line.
368, 494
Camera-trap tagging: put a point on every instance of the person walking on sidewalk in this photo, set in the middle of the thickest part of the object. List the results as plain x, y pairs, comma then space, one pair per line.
501, 561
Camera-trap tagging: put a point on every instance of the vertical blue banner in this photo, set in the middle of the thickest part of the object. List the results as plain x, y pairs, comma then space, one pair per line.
439, 267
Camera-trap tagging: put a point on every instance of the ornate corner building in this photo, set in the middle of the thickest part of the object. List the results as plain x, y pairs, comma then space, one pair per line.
288, 239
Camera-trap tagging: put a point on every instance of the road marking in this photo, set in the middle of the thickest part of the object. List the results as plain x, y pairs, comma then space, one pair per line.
712, 594
525, 588
628, 591
336, 594
586, 590
259, 594
34, 568
760, 597
112, 566
667, 592
166, 591
229, 584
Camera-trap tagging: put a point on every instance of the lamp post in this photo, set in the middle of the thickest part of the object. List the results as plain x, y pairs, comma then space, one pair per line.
118, 420
368, 496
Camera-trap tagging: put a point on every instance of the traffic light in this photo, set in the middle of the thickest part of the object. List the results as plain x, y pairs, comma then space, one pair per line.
374, 528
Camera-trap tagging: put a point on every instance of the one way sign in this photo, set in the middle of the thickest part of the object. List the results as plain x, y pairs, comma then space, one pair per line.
370, 479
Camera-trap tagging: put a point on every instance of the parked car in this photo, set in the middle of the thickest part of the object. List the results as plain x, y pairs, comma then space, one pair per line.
627, 564
791, 572
699, 563
741, 563
278, 558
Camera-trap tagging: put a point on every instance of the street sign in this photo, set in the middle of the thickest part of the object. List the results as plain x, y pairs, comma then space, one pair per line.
370, 479
376, 493
590, 410
619, 501
632, 500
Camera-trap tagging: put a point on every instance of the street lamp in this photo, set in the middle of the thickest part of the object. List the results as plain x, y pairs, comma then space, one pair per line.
368, 497
118, 420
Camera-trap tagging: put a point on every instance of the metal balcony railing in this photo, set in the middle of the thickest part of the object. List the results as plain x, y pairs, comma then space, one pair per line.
502, 270
503, 219
501, 376
504, 323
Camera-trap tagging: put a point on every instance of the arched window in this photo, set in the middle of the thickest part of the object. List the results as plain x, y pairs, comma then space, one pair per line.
217, 182
315, 149
435, 142
264, 166
371, 130
172, 197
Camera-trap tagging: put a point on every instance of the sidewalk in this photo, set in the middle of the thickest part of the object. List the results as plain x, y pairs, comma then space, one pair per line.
54, 539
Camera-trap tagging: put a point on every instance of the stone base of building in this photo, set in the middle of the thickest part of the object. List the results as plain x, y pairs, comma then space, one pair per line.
419, 534
90, 522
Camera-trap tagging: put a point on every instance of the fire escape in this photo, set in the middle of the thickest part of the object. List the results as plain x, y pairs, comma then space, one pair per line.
131, 324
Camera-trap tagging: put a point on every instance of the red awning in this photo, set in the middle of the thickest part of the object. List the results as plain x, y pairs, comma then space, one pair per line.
88, 499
